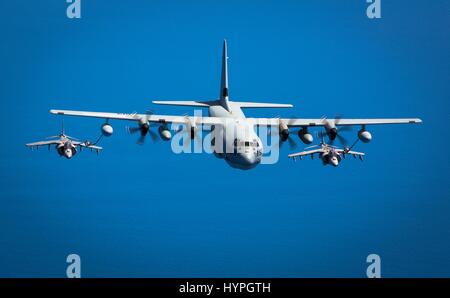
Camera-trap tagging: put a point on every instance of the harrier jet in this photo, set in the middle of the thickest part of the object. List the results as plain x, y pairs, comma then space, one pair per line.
238, 143
65, 145
329, 154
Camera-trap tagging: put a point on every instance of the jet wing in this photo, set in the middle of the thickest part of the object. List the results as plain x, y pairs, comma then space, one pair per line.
350, 152
43, 143
303, 153
90, 146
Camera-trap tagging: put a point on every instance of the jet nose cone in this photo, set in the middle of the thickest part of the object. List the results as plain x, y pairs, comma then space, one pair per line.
334, 162
68, 153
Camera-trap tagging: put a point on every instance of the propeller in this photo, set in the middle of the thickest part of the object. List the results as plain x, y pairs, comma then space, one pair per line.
333, 132
292, 143
143, 128
191, 129
286, 135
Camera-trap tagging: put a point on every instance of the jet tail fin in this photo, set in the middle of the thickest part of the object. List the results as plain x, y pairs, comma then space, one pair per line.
62, 127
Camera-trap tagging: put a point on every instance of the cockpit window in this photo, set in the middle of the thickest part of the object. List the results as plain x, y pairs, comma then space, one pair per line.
238, 143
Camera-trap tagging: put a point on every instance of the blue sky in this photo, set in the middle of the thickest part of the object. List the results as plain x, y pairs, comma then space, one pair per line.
145, 212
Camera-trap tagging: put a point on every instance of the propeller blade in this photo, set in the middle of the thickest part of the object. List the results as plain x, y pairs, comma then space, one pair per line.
346, 128
133, 130
141, 140
337, 119
292, 143
153, 135
342, 140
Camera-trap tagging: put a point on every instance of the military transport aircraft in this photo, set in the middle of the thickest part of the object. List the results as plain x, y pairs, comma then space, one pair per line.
329, 154
239, 145
65, 145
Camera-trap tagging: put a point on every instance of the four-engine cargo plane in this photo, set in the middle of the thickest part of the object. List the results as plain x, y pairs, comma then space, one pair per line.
239, 132
65, 145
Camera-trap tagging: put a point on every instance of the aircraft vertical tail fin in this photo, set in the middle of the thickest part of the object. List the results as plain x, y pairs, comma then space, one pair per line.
223, 99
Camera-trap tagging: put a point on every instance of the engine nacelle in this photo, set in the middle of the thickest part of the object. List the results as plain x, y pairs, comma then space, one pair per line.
60, 149
364, 136
164, 133
107, 130
284, 131
305, 136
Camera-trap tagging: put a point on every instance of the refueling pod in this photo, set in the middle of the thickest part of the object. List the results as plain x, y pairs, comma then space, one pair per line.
164, 133
305, 136
364, 135
107, 130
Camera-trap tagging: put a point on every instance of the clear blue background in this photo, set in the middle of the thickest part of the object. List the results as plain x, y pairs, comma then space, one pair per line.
145, 212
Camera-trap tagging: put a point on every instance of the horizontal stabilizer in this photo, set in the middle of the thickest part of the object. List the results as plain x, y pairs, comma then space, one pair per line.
261, 105
189, 103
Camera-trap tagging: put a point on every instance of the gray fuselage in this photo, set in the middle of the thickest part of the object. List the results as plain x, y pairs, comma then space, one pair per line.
239, 136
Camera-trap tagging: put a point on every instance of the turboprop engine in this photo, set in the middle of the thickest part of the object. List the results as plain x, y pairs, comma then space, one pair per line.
303, 134
284, 131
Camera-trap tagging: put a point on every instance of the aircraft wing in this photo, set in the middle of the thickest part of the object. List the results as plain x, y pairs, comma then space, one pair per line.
90, 146
43, 143
291, 122
150, 118
303, 153
350, 152
297, 122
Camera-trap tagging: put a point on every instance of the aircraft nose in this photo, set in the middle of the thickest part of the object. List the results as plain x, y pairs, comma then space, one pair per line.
68, 153
334, 162
249, 159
